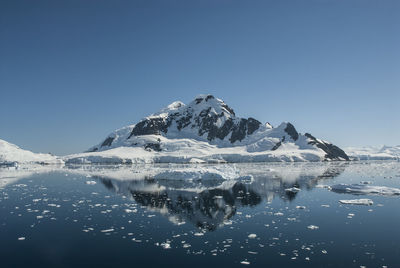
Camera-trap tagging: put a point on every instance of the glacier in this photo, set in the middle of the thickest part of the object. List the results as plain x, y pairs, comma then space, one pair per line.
12, 155
374, 153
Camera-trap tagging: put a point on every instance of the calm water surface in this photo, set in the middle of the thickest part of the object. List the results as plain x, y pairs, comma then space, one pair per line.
153, 216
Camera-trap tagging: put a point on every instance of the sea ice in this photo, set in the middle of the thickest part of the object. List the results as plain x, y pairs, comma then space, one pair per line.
312, 227
107, 230
366, 202
364, 189
293, 190
251, 236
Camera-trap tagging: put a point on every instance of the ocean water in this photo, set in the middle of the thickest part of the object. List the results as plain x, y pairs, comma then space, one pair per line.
231, 215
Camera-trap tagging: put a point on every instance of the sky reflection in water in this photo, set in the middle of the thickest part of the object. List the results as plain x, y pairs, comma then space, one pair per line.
134, 217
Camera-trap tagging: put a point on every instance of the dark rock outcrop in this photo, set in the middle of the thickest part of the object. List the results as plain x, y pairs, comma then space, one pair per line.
107, 142
332, 152
149, 127
153, 146
291, 131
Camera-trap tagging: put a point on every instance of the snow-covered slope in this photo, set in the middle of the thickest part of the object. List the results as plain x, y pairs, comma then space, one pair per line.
11, 154
206, 130
374, 153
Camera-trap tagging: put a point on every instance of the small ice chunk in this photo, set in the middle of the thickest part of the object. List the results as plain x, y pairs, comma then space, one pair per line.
91, 182
312, 227
245, 262
251, 236
130, 210
166, 245
365, 202
364, 189
293, 190
107, 230
198, 234
21, 238
322, 186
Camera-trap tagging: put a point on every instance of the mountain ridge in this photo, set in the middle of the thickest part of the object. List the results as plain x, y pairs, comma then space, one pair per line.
211, 120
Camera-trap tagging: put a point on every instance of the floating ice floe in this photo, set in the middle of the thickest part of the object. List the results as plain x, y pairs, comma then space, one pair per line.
107, 230
293, 190
199, 173
198, 234
251, 236
364, 189
366, 202
312, 227
166, 245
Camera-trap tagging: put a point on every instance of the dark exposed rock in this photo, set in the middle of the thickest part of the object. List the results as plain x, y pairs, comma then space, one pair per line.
276, 146
215, 132
252, 125
209, 97
246, 126
184, 121
152, 126
239, 131
229, 109
291, 131
198, 100
108, 141
153, 146
332, 152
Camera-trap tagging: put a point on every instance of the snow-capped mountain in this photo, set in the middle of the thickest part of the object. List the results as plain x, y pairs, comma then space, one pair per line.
205, 130
11, 155
374, 153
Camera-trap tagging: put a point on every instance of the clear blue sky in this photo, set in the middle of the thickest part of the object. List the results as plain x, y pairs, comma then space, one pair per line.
73, 71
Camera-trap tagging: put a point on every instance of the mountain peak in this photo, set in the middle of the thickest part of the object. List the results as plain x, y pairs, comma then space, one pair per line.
209, 119
205, 101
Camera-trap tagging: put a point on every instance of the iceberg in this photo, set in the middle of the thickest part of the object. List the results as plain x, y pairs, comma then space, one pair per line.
366, 202
361, 189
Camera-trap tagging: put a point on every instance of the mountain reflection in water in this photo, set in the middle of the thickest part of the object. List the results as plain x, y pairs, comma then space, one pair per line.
209, 204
